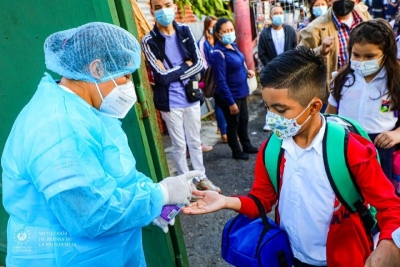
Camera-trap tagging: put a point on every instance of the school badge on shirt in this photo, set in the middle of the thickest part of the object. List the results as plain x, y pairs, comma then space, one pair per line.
385, 106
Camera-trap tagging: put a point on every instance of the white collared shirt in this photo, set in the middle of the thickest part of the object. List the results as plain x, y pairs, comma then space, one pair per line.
278, 37
306, 200
367, 103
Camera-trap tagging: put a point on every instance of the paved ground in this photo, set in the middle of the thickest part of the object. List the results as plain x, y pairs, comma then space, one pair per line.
203, 232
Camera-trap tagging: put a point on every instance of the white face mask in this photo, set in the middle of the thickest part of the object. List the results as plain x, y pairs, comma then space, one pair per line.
365, 68
119, 101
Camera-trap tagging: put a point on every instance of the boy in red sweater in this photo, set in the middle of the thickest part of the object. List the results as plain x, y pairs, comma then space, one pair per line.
320, 229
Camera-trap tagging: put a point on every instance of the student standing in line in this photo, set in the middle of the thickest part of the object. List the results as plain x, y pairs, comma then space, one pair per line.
368, 89
306, 203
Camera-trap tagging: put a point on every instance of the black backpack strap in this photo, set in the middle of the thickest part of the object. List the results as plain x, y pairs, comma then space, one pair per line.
282, 259
281, 255
261, 211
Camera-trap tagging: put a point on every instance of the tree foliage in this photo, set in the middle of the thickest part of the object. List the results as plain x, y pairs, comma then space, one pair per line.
218, 8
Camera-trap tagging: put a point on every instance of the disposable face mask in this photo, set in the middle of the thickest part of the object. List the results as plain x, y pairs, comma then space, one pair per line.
319, 10
165, 16
119, 101
228, 38
282, 127
365, 68
277, 20
211, 31
342, 7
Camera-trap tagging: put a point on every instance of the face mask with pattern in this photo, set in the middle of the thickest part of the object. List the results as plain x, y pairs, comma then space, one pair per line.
284, 128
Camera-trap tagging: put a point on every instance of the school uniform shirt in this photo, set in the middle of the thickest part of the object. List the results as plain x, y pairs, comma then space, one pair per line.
319, 227
367, 103
306, 219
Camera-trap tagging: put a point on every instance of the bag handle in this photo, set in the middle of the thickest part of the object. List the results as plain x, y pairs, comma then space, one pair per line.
261, 211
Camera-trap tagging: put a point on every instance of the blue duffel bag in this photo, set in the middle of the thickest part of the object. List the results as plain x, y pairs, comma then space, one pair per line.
255, 242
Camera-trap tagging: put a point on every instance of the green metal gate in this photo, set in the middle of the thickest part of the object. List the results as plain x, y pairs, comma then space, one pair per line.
24, 26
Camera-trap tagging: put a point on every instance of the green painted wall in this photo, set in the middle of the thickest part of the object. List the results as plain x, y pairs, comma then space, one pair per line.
23, 28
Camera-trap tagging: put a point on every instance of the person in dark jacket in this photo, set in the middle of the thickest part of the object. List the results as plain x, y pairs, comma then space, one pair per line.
230, 75
277, 38
175, 43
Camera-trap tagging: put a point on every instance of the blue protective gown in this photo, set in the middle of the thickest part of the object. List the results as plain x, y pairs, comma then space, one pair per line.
71, 187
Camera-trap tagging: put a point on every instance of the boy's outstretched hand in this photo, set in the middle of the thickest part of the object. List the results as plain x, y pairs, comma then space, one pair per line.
208, 201
386, 254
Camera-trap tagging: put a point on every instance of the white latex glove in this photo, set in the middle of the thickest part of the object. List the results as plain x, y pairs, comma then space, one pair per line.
165, 228
177, 189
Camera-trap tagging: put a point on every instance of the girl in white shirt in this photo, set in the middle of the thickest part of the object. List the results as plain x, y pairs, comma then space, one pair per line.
368, 88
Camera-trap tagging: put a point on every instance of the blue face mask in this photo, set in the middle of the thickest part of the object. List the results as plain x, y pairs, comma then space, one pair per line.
211, 31
278, 20
319, 10
228, 38
165, 16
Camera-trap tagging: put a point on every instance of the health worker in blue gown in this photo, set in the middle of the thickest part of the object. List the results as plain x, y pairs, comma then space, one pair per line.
70, 184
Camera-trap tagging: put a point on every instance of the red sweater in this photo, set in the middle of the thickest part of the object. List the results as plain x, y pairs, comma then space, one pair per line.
347, 242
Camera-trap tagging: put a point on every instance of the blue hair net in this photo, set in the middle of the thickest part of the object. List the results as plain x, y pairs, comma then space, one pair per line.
70, 52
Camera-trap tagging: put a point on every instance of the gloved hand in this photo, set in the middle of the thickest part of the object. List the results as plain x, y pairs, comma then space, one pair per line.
177, 189
165, 228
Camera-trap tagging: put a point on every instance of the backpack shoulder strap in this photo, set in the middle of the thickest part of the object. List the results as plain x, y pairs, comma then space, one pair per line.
335, 145
351, 126
272, 159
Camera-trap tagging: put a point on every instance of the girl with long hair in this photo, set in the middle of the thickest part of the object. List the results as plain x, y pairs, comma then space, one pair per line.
368, 88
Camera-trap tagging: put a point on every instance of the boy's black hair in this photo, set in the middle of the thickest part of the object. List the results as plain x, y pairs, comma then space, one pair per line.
300, 71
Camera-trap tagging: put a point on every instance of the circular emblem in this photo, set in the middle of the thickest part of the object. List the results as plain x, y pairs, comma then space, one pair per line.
22, 236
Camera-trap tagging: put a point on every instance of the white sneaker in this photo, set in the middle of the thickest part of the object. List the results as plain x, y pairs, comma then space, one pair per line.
266, 128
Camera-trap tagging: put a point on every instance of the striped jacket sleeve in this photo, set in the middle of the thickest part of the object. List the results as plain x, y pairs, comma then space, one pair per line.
161, 76
197, 59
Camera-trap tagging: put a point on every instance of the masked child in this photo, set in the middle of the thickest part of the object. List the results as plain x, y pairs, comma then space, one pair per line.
367, 90
293, 85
